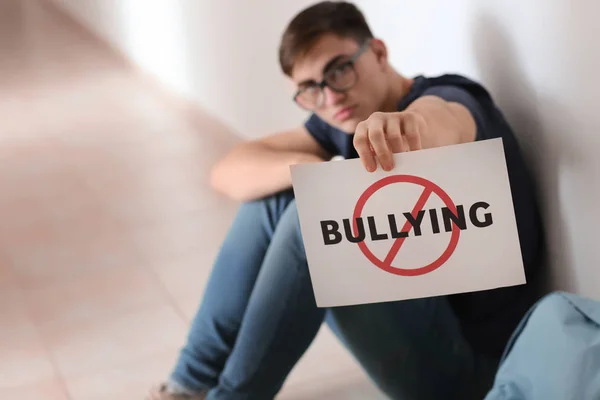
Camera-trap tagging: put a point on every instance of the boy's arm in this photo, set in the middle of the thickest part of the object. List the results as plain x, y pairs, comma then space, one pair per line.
444, 117
259, 168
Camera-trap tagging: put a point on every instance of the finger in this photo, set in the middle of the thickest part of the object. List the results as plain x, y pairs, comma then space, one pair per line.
394, 136
378, 140
412, 128
363, 147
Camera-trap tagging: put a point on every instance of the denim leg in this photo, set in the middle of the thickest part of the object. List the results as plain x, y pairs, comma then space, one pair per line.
216, 325
258, 316
414, 349
279, 324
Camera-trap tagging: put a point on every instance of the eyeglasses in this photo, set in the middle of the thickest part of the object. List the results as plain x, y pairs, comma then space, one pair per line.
339, 78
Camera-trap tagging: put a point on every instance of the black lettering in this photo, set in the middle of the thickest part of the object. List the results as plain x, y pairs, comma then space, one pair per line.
394, 228
435, 224
331, 228
373, 230
487, 216
415, 222
458, 218
360, 236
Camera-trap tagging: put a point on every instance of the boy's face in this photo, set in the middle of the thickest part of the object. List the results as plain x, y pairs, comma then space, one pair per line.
362, 85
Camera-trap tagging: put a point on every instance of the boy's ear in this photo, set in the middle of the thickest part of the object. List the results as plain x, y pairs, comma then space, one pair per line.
380, 50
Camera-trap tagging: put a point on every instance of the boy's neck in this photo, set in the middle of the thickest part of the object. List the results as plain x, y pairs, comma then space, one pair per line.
399, 87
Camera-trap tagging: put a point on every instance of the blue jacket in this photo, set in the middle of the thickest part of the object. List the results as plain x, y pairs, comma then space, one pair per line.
554, 354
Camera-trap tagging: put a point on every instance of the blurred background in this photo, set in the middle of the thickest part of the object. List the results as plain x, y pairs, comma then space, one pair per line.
113, 111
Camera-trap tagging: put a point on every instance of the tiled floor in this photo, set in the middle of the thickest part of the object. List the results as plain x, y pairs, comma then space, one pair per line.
107, 225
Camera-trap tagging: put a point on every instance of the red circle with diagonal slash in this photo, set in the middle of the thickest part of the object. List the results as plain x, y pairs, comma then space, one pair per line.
428, 188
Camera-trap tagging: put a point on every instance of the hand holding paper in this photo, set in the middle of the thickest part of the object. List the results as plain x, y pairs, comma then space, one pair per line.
427, 123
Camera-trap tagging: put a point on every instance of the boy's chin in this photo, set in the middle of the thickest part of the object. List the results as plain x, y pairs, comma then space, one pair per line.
348, 126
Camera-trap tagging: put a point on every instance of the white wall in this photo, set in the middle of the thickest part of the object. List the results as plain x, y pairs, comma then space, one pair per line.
221, 54
538, 58
151, 33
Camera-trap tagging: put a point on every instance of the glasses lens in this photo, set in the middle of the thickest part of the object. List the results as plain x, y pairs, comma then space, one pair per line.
342, 77
309, 97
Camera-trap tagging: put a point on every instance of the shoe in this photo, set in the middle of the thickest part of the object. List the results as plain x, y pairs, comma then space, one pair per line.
161, 393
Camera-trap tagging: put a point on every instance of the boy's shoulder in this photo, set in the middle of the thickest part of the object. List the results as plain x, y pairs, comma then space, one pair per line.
423, 85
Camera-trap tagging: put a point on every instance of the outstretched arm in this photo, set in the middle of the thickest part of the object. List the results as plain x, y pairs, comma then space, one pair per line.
430, 121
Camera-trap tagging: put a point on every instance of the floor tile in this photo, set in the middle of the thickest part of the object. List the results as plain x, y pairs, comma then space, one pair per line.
81, 348
185, 277
24, 361
326, 357
23, 358
184, 260
8, 278
96, 296
126, 382
46, 390
53, 252
205, 229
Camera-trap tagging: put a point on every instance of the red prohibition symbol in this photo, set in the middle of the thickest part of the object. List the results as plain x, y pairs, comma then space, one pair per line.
429, 188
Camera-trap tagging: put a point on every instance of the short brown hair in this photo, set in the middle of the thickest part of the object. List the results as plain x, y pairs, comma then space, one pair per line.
338, 17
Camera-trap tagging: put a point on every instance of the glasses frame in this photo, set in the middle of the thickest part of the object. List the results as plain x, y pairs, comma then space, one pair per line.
321, 85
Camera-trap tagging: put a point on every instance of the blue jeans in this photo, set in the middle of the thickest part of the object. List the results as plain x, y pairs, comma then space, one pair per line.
258, 316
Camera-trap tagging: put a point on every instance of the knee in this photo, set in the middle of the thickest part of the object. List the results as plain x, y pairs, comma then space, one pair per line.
288, 231
277, 201
266, 211
290, 221
551, 306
